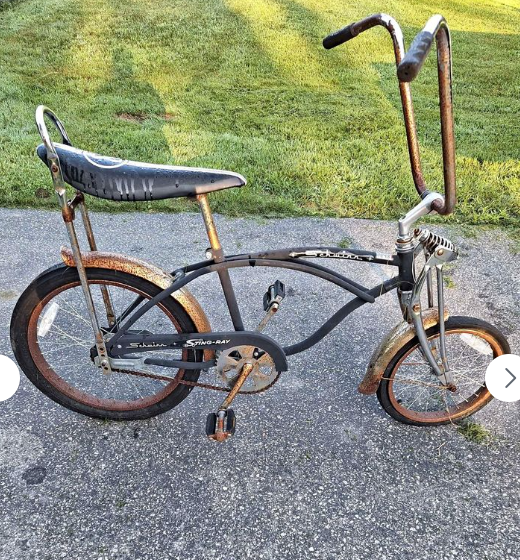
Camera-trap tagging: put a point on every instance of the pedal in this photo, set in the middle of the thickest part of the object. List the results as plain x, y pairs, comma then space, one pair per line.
274, 295
221, 425
272, 300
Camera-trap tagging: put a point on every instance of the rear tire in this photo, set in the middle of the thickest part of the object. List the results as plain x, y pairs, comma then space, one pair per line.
37, 354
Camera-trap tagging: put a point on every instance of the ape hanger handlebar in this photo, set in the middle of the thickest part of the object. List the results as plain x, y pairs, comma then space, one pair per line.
408, 66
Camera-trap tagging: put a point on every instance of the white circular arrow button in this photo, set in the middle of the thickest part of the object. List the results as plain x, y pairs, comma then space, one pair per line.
503, 378
9, 378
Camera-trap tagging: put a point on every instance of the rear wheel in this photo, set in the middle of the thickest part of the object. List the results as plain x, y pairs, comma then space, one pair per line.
52, 340
410, 391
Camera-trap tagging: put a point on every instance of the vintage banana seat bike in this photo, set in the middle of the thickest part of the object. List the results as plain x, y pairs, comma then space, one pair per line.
112, 336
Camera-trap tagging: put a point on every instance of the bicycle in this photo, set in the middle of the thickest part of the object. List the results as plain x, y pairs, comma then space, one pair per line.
84, 331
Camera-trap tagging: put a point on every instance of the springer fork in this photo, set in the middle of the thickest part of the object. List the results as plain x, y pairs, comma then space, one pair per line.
438, 251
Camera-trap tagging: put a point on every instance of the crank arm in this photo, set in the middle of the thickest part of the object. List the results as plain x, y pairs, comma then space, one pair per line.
268, 316
272, 300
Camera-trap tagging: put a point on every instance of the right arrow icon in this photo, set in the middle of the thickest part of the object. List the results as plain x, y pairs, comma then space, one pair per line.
499, 372
512, 380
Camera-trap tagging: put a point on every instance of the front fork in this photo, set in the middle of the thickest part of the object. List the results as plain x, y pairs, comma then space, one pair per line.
442, 252
441, 370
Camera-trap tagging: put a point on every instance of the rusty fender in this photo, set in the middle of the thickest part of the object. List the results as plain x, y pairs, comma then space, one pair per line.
149, 272
383, 354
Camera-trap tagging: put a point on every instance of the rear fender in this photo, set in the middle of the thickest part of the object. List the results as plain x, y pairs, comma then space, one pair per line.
401, 334
149, 272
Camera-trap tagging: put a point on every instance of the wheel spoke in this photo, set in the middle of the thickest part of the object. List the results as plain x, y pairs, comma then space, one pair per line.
63, 352
416, 382
415, 391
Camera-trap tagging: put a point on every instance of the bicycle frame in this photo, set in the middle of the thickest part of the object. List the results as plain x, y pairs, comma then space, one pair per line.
289, 258
121, 343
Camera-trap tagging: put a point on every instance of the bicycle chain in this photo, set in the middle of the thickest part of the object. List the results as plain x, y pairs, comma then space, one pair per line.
196, 383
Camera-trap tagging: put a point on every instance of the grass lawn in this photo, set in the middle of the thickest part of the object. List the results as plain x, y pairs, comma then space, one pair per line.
246, 85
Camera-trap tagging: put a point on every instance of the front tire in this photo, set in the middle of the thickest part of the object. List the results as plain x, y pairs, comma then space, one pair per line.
411, 393
52, 337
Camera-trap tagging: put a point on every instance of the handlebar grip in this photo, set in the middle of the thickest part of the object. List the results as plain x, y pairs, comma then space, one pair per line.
414, 59
339, 37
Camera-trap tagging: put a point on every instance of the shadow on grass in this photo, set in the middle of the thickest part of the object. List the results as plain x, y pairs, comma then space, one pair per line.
6, 4
31, 75
284, 122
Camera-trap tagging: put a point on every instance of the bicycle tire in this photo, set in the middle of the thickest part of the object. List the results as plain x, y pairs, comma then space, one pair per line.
57, 280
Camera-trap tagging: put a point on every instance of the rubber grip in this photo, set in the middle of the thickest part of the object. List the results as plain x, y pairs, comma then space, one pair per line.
339, 37
414, 59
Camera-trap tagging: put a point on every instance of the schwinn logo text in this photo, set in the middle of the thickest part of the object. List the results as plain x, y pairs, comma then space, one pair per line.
144, 345
329, 254
201, 342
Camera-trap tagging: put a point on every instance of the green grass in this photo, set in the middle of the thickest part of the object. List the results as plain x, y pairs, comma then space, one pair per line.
514, 235
474, 432
345, 243
448, 281
245, 85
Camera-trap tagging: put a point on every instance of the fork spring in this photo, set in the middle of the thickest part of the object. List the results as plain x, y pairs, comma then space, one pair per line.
431, 241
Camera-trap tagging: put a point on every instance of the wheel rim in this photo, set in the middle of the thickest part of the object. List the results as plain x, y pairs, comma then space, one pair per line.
412, 384
62, 354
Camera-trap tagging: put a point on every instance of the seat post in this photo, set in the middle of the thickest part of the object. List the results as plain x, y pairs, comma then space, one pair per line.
214, 241
218, 256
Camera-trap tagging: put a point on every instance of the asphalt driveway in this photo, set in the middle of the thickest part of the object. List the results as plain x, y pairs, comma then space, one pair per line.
315, 469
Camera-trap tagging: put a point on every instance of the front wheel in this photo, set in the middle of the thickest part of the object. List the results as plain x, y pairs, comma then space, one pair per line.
411, 392
52, 340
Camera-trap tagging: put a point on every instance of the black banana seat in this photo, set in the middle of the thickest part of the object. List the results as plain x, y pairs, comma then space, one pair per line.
124, 180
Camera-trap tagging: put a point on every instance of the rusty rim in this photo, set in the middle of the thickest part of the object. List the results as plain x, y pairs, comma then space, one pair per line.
48, 371
452, 406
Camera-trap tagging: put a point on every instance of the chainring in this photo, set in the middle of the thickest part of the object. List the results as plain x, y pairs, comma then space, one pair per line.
231, 361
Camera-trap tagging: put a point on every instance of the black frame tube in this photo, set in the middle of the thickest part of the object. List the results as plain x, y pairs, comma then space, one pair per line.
282, 259
339, 317
231, 299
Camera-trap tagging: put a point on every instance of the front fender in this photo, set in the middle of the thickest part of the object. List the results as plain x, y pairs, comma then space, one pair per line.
396, 339
149, 272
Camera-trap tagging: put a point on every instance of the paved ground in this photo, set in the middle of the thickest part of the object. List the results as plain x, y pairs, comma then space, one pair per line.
315, 470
